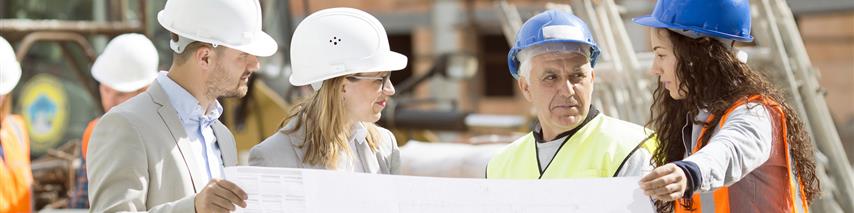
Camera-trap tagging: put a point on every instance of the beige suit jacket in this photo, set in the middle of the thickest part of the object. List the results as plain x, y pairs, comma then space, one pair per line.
283, 150
140, 158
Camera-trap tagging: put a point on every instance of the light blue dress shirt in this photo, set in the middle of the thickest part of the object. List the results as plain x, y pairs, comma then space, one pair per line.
197, 124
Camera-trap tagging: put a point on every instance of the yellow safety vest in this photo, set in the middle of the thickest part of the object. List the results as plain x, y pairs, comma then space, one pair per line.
596, 150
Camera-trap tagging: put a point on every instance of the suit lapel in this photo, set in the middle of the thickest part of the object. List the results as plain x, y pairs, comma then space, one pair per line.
297, 140
170, 118
368, 159
226, 144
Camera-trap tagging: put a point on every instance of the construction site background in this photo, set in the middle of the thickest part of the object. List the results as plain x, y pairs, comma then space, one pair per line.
456, 101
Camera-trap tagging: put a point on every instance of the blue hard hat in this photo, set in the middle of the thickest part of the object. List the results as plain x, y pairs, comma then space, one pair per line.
551, 26
728, 19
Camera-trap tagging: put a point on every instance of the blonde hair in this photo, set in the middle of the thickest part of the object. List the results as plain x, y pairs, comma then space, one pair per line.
321, 116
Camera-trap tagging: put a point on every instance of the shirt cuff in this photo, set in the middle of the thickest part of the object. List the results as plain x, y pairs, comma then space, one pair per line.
692, 173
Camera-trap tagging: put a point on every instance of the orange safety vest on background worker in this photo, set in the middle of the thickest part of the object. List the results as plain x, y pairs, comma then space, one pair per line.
16, 176
741, 196
79, 195
84, 144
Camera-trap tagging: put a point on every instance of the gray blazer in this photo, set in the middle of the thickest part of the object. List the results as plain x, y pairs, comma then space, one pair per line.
282, 150
140, 157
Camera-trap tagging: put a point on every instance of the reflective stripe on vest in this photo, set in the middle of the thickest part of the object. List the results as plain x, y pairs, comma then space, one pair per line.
596, 150
719, 199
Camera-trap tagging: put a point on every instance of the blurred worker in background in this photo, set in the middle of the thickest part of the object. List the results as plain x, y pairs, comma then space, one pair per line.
16, 177
344, 54
125, 69
725, 131
165, 150
552, 61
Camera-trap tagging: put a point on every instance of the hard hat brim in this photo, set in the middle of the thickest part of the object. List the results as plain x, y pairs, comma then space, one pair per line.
263, 45
393, 62
390, 61
651, 21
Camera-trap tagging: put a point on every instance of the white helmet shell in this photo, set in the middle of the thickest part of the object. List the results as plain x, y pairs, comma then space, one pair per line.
340, 41
128, 63
231, 23
10, 69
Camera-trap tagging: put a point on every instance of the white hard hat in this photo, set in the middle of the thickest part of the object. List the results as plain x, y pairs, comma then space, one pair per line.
10, 69
340, 41
231, 23
128, 63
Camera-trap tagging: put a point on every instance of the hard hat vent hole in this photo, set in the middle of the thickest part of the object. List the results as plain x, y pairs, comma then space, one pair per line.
335, 40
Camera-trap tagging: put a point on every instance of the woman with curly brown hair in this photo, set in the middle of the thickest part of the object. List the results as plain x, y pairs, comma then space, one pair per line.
728, 141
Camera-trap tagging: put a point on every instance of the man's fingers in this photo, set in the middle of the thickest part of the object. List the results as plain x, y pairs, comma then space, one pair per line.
232, 192
233, 188
218, 203
226, 195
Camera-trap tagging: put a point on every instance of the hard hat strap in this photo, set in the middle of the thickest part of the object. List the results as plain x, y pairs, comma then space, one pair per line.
182, 43
316, 85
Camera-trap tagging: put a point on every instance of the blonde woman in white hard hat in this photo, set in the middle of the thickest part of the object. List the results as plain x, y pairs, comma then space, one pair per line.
165, 150
16, 176
125, 69
343, 53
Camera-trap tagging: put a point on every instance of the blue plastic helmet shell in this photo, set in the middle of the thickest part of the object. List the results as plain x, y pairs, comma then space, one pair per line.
727, 19
551, 26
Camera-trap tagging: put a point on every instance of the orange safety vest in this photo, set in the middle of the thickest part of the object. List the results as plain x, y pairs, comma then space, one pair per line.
16, 176
719, 200
84, 144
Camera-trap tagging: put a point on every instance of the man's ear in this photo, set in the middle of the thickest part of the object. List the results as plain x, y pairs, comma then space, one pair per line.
522, 83
202, 56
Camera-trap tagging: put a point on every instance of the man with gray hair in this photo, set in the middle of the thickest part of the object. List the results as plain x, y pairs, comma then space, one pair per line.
552, 61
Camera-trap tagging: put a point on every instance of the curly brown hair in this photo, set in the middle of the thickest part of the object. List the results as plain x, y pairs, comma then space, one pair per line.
713, 78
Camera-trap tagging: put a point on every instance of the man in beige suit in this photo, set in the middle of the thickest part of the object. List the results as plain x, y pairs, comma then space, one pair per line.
164, 150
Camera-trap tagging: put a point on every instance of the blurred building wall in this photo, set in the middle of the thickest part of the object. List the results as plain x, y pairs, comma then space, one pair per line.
829, 39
